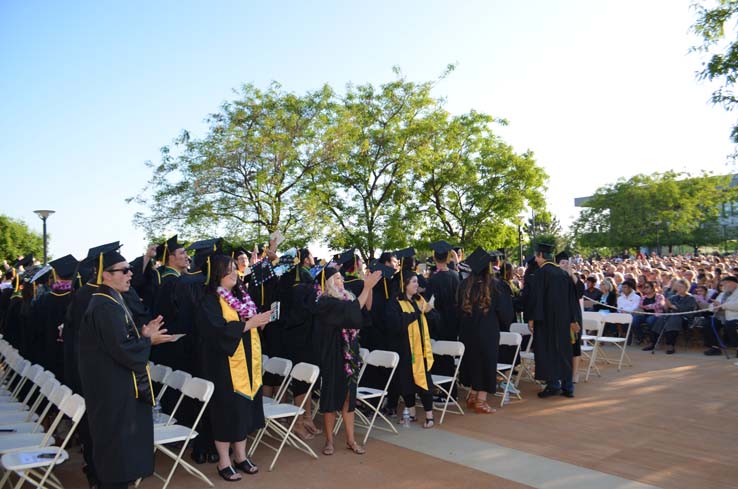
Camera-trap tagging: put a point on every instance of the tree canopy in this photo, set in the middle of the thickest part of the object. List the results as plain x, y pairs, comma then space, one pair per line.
377, 167
654, 210
17, 239
716, 27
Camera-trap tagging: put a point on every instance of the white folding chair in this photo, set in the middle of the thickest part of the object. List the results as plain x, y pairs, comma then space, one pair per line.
280, 367
364, 354
303, 372
592, 330
159, 374
620, 343
32, 374
28, 463
17, 377
30, 422
175, 380
445, 384
509, 339
380, 359
527, 357
194, 388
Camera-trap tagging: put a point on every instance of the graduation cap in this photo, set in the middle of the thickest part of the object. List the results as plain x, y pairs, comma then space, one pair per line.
24, 262
479, 261
95, 251
64, 267
495, 255
262, 272
215, 244
441, 250
347, 257
41, 273
167, 248
562, 256
387, 272
405, 253
102, 257
544, 248
324, 274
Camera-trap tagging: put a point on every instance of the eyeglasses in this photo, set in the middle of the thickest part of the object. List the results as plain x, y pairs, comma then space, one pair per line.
124, 271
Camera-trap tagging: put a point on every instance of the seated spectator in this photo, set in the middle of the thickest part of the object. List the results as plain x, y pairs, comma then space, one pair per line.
591, 293
651, 301
726, 317
609, 297
680, 302
628, 302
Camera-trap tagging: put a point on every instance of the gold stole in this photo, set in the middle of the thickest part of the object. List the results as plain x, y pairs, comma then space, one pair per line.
239, 370
419, 348
130, 322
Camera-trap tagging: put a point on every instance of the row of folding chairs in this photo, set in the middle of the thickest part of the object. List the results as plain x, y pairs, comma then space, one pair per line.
30, 400
593, 341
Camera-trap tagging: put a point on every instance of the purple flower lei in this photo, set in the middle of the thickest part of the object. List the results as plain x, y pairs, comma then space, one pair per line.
245, 308
61, 286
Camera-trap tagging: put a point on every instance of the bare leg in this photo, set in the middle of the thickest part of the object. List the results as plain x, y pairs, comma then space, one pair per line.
268, 390
239, 451
329, 422
575, 368
225, 457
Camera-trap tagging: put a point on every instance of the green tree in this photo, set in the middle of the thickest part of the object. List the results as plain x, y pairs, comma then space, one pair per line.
655, 210
716, 28
17, 239
473, 185
366, 193
248, 175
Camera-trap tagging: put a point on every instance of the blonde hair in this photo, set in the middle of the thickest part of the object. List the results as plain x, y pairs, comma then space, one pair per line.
332, 291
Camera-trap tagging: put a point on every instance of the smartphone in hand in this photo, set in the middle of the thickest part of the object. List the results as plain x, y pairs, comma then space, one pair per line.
274, 312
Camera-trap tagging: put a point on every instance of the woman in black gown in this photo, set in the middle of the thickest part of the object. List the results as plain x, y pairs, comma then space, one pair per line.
230, 357
339, 315
410, 338
485, 307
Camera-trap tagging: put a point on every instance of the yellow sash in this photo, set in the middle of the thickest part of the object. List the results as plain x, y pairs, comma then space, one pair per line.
239, 370
420, 348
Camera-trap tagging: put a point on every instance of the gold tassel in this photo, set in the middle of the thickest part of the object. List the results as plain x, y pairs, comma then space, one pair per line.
386, 292
207, 277
99, 269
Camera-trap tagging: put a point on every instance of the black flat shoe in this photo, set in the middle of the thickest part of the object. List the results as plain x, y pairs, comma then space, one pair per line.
228, 474
247, 467
198, 457
670, 352
213, 458
648, 348
713, 352
568, 394
548, 392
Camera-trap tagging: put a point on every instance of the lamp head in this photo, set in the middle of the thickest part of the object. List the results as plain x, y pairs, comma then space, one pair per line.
44, 213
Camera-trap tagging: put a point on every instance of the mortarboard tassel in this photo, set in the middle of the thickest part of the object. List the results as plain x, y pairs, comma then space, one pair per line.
99, 269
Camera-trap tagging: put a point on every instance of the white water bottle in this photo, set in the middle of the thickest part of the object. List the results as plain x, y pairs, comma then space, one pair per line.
406, 418
156, 412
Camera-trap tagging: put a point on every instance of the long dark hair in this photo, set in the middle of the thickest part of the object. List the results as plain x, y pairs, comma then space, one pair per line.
477, 290
219, 265
406, 278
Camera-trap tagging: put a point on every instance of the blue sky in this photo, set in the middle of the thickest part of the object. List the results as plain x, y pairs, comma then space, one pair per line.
91, 90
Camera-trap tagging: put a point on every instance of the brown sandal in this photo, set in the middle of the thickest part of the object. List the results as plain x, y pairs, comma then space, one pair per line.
328, 450
356, 448
481, 407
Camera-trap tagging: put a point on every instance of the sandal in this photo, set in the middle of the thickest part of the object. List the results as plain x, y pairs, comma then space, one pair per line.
227, 474
356, 448
328, 450
481, 407
312, 429
247, 466
429, 423
304, 434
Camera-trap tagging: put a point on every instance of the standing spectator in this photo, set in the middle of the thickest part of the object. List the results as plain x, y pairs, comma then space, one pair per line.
591, 293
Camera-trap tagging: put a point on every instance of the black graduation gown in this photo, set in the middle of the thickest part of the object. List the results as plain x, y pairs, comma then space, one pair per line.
375, 338
297, 307
555, 307
121, 426
13, 332
331, 316
145, 281
444, 287
399, 342
50, 311
167, 304
72, 325
232, 415
5, 295
480, 333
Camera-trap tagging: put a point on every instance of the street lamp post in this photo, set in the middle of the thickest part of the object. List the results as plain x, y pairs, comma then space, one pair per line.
44, 214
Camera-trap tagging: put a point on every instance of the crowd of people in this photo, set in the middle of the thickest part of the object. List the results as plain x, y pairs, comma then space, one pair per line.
209, 309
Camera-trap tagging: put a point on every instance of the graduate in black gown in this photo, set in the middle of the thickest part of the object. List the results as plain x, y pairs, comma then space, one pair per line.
50, 313
339, 315
443, 286
297, 297
146, 278
228, 325
375, 338
113, 361
410, 338
556, 318
485, 308
175, 262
